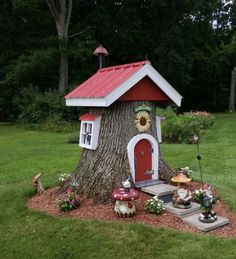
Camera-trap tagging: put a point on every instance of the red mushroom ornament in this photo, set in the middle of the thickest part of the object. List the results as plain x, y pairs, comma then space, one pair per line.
124, 206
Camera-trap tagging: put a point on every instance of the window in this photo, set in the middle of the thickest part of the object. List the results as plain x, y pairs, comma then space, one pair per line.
89, 130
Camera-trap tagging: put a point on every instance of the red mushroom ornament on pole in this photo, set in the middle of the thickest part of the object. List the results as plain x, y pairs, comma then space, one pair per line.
124, 197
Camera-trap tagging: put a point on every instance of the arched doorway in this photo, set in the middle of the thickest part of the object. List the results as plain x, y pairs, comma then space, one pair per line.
143, 160
143, 157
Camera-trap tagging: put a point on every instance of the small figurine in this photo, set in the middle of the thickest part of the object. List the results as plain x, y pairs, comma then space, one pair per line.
206, 199
37, 184
182, 197
127, 185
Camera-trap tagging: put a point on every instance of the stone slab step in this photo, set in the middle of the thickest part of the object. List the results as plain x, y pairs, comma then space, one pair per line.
162, 191
182, 213
194, 221
146, 183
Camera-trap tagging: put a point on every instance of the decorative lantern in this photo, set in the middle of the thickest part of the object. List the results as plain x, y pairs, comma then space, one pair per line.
207, 201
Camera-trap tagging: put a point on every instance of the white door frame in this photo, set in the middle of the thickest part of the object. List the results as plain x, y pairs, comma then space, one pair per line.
130, 149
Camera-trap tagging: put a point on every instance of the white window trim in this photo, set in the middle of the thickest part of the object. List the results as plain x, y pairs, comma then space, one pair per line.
158, 126
94, 133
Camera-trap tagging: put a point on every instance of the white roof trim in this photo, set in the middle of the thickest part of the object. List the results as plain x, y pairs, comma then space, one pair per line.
90, 102
146, 70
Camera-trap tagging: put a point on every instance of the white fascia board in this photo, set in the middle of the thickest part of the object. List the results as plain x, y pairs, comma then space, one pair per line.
164, 85
90, 102
146, 70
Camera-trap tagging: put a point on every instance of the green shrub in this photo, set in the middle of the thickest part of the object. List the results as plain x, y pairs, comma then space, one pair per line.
181, 128
45, 110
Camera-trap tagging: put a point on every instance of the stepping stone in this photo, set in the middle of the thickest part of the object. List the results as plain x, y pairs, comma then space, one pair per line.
194, 221
148, 183
162, 191
195, 208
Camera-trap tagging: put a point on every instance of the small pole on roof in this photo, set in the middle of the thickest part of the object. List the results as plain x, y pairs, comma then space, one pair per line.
101, 52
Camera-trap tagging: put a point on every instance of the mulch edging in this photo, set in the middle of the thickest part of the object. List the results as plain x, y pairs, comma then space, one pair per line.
46, 202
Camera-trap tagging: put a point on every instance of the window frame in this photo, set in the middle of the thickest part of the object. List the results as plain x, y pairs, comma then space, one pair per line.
93, 132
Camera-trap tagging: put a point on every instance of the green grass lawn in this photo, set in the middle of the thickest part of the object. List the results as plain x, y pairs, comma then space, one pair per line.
28, 234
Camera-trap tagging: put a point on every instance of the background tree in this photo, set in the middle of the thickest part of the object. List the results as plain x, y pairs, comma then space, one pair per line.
232, 91
61, 12
190, 43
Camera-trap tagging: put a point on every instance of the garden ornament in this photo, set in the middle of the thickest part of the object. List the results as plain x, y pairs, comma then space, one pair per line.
127, 185
182, 197
37, 184
206, 199
124, 197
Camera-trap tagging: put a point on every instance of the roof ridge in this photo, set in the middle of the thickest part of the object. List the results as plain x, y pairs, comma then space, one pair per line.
134, 64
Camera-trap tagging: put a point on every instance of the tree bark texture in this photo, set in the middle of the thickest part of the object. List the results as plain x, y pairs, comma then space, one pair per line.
100, 171
61, 12
232, 91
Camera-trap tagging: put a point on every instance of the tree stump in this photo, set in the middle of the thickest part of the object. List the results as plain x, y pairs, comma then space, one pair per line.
100, 171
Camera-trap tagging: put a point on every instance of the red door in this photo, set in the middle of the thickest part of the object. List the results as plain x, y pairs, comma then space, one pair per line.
143, 160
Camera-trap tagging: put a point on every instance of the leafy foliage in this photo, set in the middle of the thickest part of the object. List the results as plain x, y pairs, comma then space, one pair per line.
192, 45
69, 200
188, 172
45, 110
181, 128
153, 205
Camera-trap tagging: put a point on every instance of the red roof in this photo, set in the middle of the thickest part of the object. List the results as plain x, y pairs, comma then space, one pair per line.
88, 117
105, 81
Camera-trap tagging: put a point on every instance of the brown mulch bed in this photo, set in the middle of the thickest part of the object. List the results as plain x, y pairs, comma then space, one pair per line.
47, 202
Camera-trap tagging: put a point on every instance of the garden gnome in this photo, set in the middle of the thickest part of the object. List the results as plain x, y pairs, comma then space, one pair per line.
126, 185
207, 200
182, 197
37, 184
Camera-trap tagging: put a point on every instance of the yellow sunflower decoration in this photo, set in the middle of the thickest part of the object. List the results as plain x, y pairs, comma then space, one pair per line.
142, 121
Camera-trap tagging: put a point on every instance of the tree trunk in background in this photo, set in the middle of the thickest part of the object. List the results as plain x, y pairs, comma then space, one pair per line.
63, 73
103, 169
61, 12
232, 91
